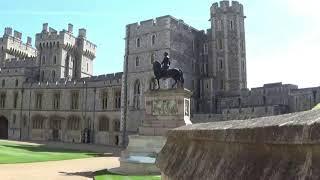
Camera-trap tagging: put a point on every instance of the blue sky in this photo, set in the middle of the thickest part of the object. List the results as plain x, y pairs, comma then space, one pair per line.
283, 37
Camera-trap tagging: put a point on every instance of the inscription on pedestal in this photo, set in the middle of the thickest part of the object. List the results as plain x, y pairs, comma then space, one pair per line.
164, 107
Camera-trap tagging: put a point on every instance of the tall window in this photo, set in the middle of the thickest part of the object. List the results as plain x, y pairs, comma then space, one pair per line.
117, 99
205, 48
17, 82
219, 25
56, 101
116, 125
231, 25
221, 64
103, 123
15, 100
3, 100
42, 76
153, 39
104, 100
73, 123
220, 44
138, 42
3, 82
136, 94
55, 60
38, 101
75, 100
55, 124
221, 85
53, 75
137, 61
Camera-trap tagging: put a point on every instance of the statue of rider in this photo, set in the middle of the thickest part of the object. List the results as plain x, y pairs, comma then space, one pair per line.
165, 63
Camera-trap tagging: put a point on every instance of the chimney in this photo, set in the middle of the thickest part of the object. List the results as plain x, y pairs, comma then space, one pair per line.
45, 27
17, 34
82, 33
29, 40
70, 28
8, 31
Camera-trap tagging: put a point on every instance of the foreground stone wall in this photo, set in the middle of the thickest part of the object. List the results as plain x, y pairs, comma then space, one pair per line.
278, 147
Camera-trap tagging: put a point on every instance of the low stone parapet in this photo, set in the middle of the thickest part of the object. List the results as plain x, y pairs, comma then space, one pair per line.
277, 147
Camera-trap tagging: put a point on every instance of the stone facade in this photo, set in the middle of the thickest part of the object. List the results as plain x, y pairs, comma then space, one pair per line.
46, 86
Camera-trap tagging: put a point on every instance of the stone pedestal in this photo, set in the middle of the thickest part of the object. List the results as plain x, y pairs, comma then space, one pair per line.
164, 110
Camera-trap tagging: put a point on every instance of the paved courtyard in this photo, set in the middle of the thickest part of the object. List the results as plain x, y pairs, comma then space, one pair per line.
65, 170
79, 169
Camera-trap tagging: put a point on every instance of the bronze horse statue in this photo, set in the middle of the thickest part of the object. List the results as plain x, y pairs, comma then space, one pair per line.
175, 74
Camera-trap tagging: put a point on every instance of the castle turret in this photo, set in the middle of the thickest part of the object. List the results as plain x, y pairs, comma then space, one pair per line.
228, 44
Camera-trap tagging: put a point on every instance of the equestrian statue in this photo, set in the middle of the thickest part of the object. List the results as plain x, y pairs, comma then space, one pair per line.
163, 71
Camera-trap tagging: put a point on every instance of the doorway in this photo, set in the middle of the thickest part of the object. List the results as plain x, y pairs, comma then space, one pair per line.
3, 127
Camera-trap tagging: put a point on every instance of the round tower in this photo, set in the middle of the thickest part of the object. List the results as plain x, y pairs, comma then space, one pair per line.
228, 38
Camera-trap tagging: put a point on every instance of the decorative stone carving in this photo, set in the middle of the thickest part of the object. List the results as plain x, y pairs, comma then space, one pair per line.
164, 107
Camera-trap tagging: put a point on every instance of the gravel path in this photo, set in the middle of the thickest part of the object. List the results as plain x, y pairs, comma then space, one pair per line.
79, 169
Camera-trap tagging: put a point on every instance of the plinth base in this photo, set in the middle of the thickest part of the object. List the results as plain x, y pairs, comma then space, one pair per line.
140, 155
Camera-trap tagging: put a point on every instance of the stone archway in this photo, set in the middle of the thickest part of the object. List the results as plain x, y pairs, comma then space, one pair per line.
3, 127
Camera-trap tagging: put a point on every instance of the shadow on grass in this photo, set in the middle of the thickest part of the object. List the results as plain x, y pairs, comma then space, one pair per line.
105, 174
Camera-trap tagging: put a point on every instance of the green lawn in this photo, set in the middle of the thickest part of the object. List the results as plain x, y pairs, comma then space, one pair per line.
106, 175
11, 153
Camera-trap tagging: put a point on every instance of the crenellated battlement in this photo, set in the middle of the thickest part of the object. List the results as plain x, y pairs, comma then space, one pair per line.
50, 37
15, 62
159, 23
103, 80
226, 7
11, 42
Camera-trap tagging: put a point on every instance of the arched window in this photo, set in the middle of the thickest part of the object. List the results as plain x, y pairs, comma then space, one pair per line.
136, 94
152, 58
53, 75
17, 82
137, 61
138, 42
42, 76
103, 123
116, 125
55, 60
153, 39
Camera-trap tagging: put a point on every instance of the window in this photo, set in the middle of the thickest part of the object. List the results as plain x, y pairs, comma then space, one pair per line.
243, 66
53, 74
116, 125
15, 100
117, 99
138, 42
221, 64
73, 123
55, 124
38, 101
231, 25
75, 100
17, 82
152, 58
37, 123
205, 48
104, 100
103, 123
56, 101
136, 95
137, 61
219, 25
2, 100
220, 44
42, 76
221, 85
3, 82
43, 60
55, 60
87, 67
153, 39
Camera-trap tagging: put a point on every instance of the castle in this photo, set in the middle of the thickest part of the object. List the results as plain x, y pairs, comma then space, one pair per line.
48, 91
